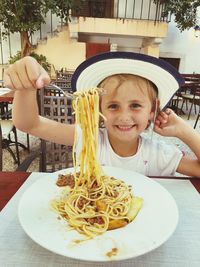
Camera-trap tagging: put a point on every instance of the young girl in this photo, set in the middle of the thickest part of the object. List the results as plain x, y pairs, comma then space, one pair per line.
135, 85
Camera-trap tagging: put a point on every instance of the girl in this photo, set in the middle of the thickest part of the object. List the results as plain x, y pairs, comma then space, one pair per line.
135, 86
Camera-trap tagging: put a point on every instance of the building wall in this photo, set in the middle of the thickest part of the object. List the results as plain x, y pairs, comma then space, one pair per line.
65, 52
183, 45
62, 51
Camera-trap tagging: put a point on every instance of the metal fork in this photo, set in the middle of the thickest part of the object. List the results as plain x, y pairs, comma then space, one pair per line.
67, 94
101, 91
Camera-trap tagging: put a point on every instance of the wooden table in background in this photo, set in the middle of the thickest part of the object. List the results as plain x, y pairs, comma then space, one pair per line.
7, 97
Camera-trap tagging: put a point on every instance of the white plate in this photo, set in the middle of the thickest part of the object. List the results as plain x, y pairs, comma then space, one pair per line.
154, 224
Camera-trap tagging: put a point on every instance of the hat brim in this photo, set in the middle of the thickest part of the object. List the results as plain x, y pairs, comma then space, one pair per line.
95, 69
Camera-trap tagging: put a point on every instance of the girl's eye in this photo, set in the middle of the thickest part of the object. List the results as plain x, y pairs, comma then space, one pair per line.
135, 105
113, 106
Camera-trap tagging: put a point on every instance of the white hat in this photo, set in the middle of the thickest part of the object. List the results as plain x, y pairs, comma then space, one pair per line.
95, 69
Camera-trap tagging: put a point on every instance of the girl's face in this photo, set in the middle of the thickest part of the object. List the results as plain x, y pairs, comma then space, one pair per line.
127, 109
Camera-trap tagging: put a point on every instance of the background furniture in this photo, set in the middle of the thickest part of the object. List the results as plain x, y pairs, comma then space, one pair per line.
6, 142
6, 130
63, 79
191, 96
8, 135
55, 106
198, 115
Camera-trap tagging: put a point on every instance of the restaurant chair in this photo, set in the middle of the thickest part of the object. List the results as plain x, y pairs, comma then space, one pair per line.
64, 81
52, 157
191, 97
197, 119
174, 103
6, 113
197, 102
6, 141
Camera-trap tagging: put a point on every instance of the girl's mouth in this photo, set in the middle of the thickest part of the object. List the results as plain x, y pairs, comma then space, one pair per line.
124, 128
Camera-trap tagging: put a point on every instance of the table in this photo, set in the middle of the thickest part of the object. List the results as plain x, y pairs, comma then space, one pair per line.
6, 96
10, 182
181, 250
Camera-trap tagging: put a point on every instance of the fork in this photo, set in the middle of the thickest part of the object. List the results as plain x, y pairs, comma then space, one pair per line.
67, 94
101, 91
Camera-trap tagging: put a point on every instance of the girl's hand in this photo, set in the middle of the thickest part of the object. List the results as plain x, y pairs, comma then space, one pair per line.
167, 123
24, 74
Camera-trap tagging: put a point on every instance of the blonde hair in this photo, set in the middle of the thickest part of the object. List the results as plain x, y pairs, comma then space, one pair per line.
140, 82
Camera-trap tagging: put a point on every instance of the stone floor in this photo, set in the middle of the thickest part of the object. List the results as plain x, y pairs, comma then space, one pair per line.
8, 164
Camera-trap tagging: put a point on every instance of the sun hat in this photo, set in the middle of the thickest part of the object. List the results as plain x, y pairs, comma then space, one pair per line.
95, 69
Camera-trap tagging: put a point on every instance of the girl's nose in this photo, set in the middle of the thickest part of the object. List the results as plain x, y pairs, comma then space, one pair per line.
125, 116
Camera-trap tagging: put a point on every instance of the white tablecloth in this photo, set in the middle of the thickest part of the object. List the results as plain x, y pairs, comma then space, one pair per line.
4, 91
181, 250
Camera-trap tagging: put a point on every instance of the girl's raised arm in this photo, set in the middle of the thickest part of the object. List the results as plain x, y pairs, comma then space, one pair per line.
169, 124
25, 77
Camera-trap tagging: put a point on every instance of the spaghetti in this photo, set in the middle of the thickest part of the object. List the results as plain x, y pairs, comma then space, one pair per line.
93, 203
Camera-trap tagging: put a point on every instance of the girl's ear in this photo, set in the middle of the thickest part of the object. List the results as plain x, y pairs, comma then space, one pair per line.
157, 105
155, 110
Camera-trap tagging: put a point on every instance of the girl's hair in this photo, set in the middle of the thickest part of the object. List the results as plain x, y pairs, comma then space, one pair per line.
140, 82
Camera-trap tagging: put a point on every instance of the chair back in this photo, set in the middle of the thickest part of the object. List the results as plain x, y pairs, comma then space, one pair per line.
1, 149
55, 106
64, 81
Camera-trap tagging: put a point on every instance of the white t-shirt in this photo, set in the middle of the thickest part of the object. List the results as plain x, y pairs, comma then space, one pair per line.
153, 157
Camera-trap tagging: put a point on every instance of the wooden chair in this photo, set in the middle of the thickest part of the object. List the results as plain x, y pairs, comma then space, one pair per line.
6, 142
197, 102
6, 130
191, 97
52, 157
175, 101
8, 135
64, 81
197, 119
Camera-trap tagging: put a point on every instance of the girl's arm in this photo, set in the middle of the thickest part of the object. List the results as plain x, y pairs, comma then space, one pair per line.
25, 77
169, 124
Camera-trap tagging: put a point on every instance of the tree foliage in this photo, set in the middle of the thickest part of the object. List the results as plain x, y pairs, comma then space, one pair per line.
185, 12
41, 59
62, 7
26, 17
18, 15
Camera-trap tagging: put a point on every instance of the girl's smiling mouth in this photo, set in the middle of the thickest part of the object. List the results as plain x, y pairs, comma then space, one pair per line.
125, 128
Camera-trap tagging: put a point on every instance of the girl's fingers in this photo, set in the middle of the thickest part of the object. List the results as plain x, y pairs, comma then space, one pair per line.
43, 78
14, 79
163, 116
162, 119
37, 74
26, 80
26, 73
168, 111
7, 81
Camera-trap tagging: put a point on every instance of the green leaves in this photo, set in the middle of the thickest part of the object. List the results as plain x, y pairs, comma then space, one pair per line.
27, 16
40, 59
185, 12
21, 15
62, 7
